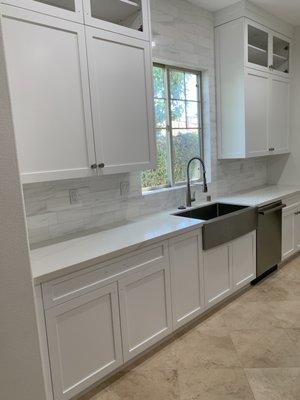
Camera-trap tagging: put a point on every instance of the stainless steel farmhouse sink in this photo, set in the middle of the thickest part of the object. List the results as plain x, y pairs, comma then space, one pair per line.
223, 222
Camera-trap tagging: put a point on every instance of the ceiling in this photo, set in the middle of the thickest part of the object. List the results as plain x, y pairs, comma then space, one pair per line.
289, 10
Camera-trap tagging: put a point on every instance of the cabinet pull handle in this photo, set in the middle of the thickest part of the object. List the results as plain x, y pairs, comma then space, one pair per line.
93, 166
271, 149
101, 165
297, 213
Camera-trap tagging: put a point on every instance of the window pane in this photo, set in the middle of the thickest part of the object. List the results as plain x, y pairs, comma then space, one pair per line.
177, 85
185, 146
178, 114
192, 114
160, 113
159, 82
191, 87
158, 177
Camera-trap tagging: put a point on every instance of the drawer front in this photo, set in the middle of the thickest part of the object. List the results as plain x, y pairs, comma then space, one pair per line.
68, 287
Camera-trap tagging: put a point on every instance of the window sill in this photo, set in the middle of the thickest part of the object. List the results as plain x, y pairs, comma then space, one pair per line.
169, 189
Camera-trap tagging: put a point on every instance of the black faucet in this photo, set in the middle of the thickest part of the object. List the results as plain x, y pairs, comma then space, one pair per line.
189, 198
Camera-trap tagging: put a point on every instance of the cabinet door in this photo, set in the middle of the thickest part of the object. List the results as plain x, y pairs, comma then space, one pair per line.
48, 79
279, 115
145, 304
66, 9
130, 18
84, 341
121, 90
258, 45
257, 108
288, 232
244, 260
281, 55
217, 274
297, 229
186, 267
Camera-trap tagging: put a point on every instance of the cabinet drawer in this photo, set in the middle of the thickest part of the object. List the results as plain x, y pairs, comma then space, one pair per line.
70, 286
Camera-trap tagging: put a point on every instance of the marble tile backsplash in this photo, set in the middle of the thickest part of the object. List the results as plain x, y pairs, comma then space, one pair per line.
184, 35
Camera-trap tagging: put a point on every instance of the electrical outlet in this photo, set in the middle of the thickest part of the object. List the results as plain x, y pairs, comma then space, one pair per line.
74, 198
124, 189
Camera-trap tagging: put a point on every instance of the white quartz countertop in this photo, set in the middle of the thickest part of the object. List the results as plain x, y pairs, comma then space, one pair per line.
263, 196
52, 261
62, 258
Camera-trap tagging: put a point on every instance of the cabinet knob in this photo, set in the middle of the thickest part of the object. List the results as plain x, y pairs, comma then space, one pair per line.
94, 166
271, 149
101, 165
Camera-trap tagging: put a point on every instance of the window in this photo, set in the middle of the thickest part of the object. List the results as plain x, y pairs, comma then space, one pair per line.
177, 103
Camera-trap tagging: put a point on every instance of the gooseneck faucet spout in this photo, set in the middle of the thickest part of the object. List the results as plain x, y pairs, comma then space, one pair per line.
189, 198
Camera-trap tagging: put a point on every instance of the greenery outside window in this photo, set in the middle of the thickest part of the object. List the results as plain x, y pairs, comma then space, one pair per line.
178, 124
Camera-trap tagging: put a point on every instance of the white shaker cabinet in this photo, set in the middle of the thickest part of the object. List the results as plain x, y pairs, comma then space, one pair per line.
253, 90
288, 231
145, 308
129, 18
66, 9
187, 285
244, 260
279, 115
217, 274
84, 340
48, 79
121, 93
256, 113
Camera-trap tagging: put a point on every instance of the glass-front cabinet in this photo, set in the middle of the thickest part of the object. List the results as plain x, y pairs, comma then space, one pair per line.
128, 17
267, 50
67, 9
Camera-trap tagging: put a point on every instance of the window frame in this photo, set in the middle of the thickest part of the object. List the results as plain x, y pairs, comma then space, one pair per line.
169, 128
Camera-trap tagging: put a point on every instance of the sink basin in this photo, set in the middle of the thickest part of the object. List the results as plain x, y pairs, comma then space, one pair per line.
223, 222
211, 211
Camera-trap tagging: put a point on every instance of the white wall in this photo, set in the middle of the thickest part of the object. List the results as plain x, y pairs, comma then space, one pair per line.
20, 364
286, 169
184, 35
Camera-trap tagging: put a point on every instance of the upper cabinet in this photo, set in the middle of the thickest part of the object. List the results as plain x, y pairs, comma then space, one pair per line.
128, 17
253, 90
67, 9
267, 50
49, 89
81, 96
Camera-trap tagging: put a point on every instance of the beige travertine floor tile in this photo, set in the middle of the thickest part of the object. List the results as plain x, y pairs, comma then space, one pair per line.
197, 350
288, 312
251, 315
291, 271
97, 394
272, 348
275, 383
215, 325
147, 385
165, 358
213, 384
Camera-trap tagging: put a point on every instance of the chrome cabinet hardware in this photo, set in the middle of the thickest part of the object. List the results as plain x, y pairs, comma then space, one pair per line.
94, 166
101, 165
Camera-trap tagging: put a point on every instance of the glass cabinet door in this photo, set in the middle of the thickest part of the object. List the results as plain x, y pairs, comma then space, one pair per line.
281, 55
127, 17
258, 47
67, 9
64, 4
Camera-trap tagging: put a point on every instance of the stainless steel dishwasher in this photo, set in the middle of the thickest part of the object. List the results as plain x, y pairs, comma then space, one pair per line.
268, 239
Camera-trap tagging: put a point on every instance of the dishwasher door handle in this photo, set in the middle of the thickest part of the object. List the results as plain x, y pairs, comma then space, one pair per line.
271, 210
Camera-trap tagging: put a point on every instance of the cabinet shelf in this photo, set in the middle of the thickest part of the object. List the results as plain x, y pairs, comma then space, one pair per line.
280, 57
257, 49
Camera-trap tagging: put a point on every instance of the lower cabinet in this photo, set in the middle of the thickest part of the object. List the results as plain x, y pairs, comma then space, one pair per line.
217, 274
100, 318
187, 286
84, 340
145, 305
229, 267
244, 260
290, 230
